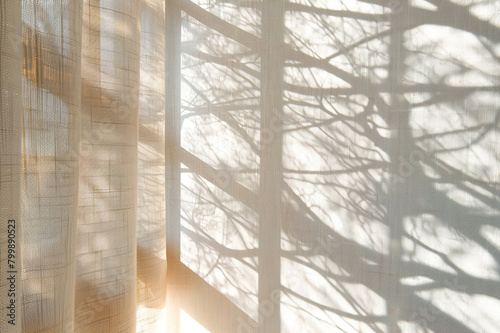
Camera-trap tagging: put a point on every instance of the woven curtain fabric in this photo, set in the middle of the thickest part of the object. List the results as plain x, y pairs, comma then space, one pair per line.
10, 146
49, 181
82, 128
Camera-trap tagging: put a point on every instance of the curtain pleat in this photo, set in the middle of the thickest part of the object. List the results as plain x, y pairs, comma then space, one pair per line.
51, 119
151, 238
106, 229
10, 163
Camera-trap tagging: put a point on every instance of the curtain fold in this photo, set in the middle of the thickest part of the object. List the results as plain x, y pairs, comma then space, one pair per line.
82, 156
10, 163
106, 242
151, 226
51, 119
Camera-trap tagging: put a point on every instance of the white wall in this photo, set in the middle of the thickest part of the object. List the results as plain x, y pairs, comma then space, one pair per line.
355, 144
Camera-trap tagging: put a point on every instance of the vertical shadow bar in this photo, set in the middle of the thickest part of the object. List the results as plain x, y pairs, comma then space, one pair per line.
398, 120
270, 213
172, 162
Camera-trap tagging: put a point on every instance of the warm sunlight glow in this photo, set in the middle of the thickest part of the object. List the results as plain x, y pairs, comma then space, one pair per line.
189, 325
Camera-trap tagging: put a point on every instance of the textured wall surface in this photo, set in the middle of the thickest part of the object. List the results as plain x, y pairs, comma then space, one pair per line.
341, 166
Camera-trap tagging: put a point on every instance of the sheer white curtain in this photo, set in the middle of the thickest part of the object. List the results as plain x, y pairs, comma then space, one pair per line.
82, 96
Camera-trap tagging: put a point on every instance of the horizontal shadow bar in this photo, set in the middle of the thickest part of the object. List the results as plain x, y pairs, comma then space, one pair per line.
189, 292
